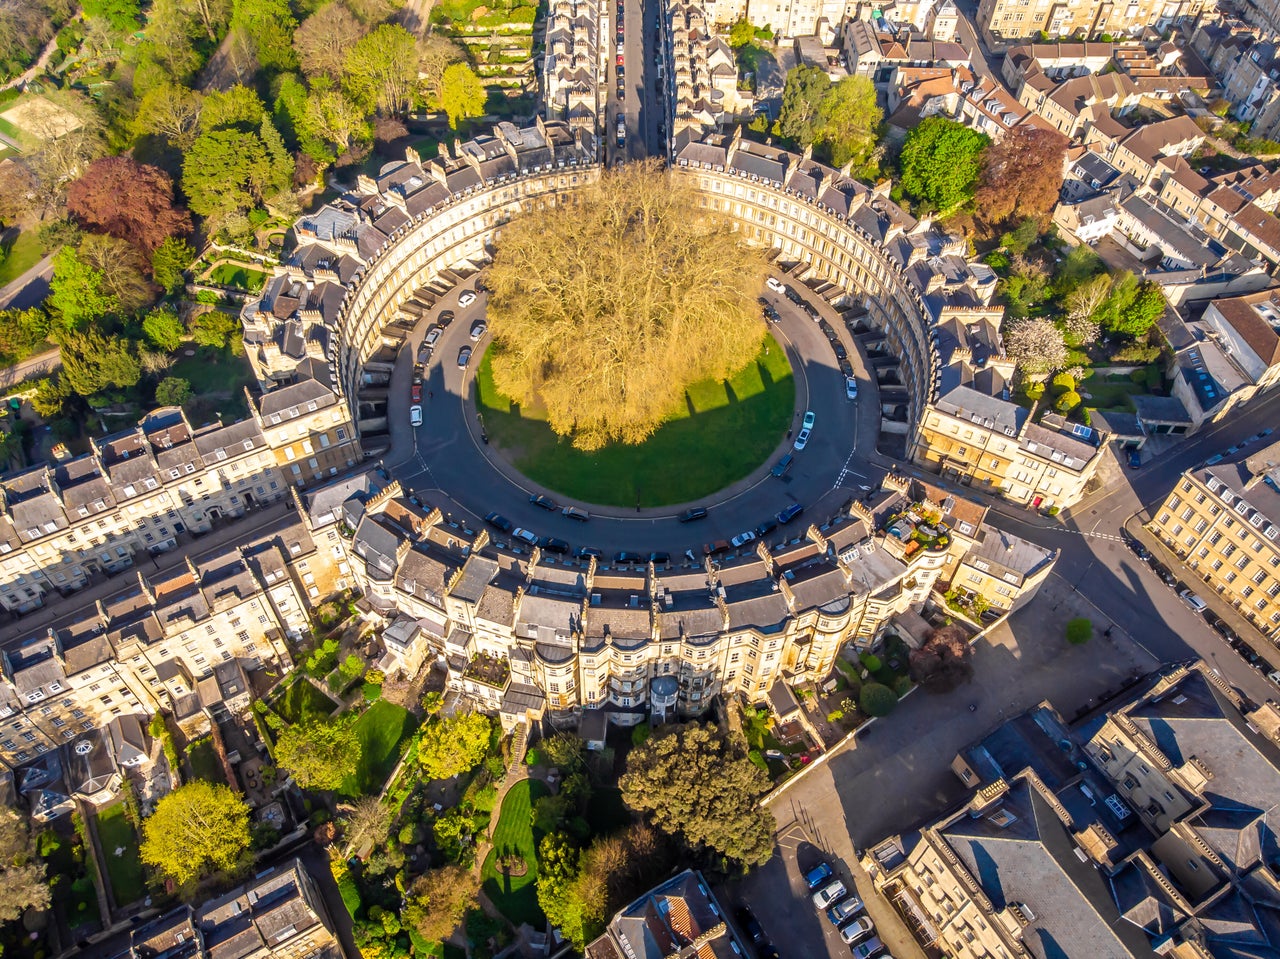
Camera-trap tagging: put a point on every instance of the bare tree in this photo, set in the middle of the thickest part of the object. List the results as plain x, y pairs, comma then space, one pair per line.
365, 821
944, 661
325, 38
1082, 303
434, 55
607, 308
1036, 345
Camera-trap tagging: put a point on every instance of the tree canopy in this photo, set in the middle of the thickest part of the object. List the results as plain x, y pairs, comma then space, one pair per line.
439, 899
1022, 175
462, 95
77, 292
940, 162
93, 361
604, 310
1035, 344
163, 329
128, 200
841, 119
319, 754
943, 662
698, 785
22, 876
381, 71
449, 747
196, 830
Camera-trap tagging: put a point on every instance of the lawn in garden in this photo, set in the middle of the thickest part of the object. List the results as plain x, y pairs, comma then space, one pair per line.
382, 730
119, 842
516, 896
204, 762
22, 252
720, 434
301, 701
237, 276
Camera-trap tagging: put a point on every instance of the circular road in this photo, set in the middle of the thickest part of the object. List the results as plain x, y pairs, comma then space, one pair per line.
447, 464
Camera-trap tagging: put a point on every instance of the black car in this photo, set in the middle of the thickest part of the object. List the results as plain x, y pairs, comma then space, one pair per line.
660, 558
552, 545
583, 552
546, 502
1223, 630
769, 951
750, 924
1138, 549
1165, 575
765, 528
499, 522
445, 317
793, 296
696, 513
622, 556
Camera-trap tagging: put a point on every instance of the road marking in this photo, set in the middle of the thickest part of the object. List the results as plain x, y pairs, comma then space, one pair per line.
846, 472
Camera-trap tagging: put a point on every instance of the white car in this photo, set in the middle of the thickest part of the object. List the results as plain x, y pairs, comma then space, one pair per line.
523, 534
857, 930
774, 284
1194, 601
415, 416
808, 420
621, 49
467, 298
743, 538
802, 440
832, 892
851, 387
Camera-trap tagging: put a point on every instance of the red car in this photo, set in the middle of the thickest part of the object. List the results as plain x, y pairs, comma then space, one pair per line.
415, 393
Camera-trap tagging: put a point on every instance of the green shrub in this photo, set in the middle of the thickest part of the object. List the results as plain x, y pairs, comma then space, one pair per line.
835, 715
877, 700
871, 661
1077, 358
1053, 510
902, 685
1154, 377
1079, 631
1135, 353
1067, 402
1063, 383
1034, 390
1139, 376
640, 734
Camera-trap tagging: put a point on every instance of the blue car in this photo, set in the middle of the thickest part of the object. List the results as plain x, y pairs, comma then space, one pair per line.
818, 875
787, 515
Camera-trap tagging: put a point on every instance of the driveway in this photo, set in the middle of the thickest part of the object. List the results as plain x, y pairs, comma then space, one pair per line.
447, 461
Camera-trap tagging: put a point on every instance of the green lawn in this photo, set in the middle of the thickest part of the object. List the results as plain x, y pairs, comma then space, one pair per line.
516, 896
21, 254
722, 433
301, 700
239, 277
217, 379
204, 763
116, 835
1107, 394
382, 729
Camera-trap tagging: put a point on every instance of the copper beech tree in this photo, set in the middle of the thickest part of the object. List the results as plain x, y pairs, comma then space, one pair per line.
606, 307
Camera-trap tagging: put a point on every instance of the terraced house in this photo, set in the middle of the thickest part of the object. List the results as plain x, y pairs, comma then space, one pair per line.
1223, 521
525, 634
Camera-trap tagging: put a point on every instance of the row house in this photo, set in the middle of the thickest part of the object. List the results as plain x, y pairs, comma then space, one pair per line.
1005, 22
1223, 521
575, 63
309, 429
703, 84
134, 492
958, 94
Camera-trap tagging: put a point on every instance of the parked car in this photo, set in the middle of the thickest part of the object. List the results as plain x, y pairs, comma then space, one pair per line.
1192, 600
818, 875
715, 548
445, 318
478, 329
769, 951
572, 512
792, 295
464, 357
623, 557
743, 538
424, 353
415, 393
750, 924
829, 894
775, 284
802, 440
525, 535
767, 527
467, 298
660, 558
552, 545
499, 522
851, 387
621, 51
787, 515
1138, 549
415, 415
432, 337
771, 314
1135, 460
857, 930
546, 502
1162, 571
809, 418
784, 464
1223, 630
844, 910
694, 513
418, 372
865, 950
585, 551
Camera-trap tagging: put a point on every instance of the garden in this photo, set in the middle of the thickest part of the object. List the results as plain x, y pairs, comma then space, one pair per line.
118, 840
510, 870
721, 433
